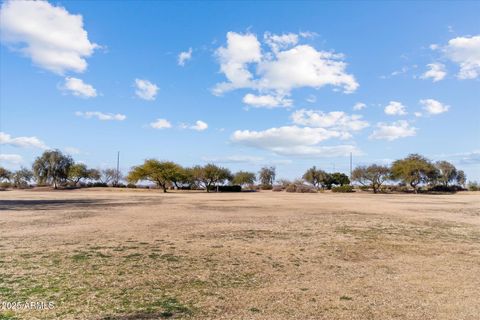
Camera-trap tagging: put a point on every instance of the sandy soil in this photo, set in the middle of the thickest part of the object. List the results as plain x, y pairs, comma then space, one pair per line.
138, 254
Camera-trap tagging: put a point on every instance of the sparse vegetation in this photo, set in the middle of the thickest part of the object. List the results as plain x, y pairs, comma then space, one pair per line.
414, 171
127, 254
372, 176
52, 167
343, 189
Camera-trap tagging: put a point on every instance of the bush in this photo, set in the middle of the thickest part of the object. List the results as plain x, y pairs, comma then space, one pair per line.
344, 189
473, 186
300, 188
97, 184
226, 188
5, 185
291, 188
131, 185
445, 189
266, 187
283, 183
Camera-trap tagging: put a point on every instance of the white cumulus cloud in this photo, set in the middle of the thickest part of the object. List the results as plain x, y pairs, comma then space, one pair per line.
79, 88
294, 141
22, 142
276, 72
241, 50
359, 106
396, 130
395, 108
101, 116
277, 42
199, 126
145, 90
161, 124
464, 51
49, 35
12, 159
266, 101
433, 107
184, 56
304, 66
336, 120
436, 72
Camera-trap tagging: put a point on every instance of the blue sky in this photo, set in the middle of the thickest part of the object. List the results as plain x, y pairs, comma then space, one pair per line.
260, 83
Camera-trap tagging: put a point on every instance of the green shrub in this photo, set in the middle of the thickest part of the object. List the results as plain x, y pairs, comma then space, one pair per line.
345, 188
5, 185
441, 188
226, 188
131, 185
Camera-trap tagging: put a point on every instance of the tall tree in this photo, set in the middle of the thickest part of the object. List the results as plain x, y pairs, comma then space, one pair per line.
414, 170
77, 172
94, 174
372, 176
446, 172
337, 178
243, 178
162, 173
210, 175
315, 177
266, 175
107, 175
5, 174
52, 167
461, 178
22, 177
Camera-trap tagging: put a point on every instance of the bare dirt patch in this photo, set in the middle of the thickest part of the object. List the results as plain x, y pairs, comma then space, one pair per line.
103, 254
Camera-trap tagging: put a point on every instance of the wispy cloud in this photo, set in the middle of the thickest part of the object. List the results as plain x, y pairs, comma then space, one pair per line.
22, 142
101, 116
145, 89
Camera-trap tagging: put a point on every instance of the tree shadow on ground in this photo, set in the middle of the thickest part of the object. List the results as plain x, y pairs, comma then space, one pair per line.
21, 205
142, 316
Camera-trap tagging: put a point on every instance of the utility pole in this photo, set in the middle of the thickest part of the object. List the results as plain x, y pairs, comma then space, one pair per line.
118, 168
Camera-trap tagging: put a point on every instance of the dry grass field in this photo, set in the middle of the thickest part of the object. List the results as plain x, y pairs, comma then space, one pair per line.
139, 254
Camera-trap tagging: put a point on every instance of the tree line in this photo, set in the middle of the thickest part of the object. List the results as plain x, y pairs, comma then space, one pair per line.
57, 169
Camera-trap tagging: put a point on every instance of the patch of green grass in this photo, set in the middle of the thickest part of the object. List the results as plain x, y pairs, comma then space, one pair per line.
347, 298
9, 315
170, 257
5, 291
36, 290
168, 307
79, 257
134, 256
255, 310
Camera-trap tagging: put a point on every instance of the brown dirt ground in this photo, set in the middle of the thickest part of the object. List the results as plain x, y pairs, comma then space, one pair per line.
138, 254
